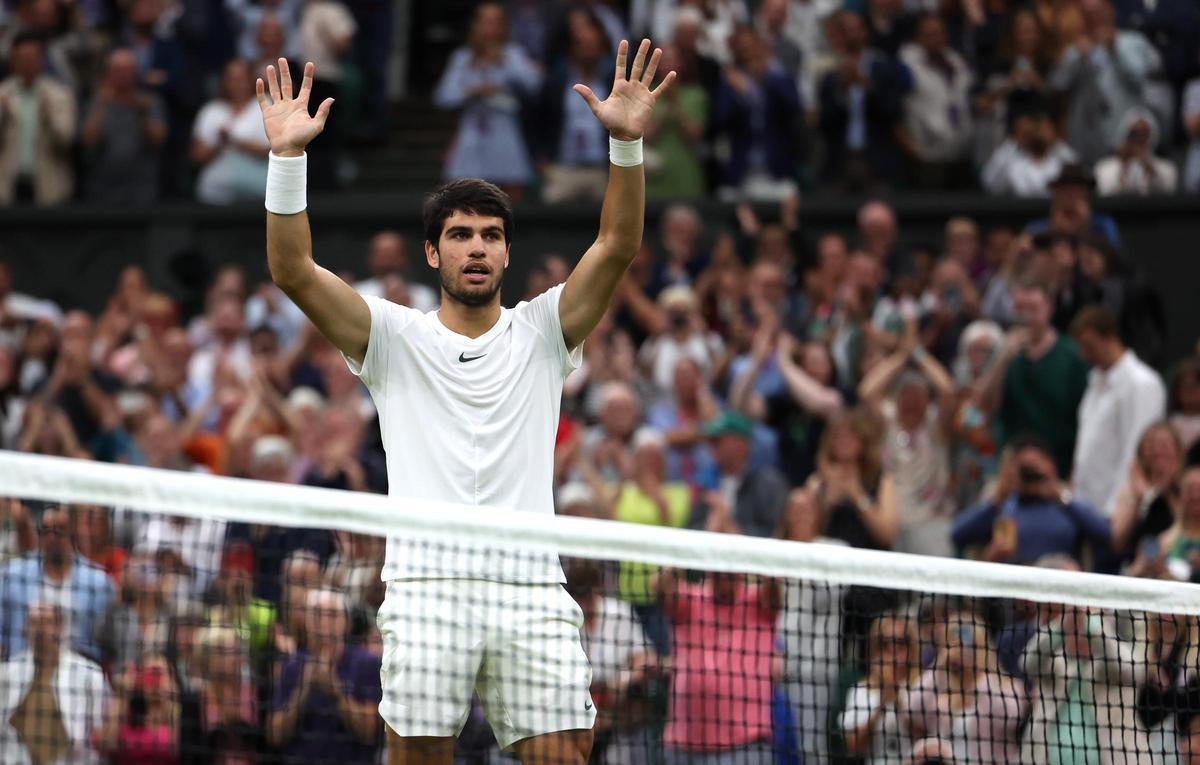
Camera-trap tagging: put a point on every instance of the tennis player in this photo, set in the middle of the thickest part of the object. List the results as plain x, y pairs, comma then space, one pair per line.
468, 399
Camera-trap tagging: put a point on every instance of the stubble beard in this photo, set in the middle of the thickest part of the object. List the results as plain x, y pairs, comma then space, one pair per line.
475, 298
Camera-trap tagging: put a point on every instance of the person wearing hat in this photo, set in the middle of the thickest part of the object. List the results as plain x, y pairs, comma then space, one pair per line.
1071, 208
753, 497
1134, 169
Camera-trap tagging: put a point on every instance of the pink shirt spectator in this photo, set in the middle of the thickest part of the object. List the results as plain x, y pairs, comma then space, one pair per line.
149, 745
721, 695
983, 731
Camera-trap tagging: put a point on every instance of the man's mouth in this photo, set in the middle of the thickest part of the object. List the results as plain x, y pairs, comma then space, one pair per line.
476, 273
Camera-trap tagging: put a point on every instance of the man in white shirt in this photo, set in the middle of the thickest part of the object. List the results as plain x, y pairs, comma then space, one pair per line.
1123, 398
468, 399
387, 255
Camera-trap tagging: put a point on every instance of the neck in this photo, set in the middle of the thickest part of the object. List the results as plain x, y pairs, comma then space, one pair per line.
1113, 357
45, 661
56, 569
471, 321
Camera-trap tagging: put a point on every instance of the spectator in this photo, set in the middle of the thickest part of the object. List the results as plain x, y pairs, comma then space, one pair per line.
1191, 129
1071, 211
270, 39
37, 129
916, 443
228, 142
810, 650
937, 111
325, 705
53, 700
757, 113
1038, 380
12, 403
675, 134
723, 640
233, 605
136, 624
1148, 502
964, 698
326, 30
19, 537
683, 335
1029, 513
1183, 401
1016, 84
679, 253
61, 577
754, 497
141, 725
1134, 169
861, 105
387, 255
188, 548
1029, 160
605, 450
680, 418
248, 18
974, 443
1181, 542
1166, 681
489, 79
228, 727
1103, 73
949, 304
1123, 398
122, 136
857, 500
870, 718
574, 146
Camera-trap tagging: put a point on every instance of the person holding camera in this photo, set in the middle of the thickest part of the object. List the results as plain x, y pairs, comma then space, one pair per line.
1030, 513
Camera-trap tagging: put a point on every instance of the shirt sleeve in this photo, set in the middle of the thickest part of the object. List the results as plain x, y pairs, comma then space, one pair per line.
1094, 526
208, 125
860, 701
974, 526
387, 319
289, 678
542, 313
368, 686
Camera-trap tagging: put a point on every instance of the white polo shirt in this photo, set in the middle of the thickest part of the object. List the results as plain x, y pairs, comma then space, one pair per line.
470, 421
1118, 406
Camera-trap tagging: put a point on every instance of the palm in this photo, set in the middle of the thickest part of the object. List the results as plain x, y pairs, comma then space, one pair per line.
286, 120
626, 111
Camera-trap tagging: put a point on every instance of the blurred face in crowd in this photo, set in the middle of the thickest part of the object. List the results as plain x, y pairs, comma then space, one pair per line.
687, 381
26, 63
5, 279
774, 14
832, 255
998, 243
1095, 349
159, 439
687, 34
121, 74
724, 586
750, 52
962, 242
931, 35
471, 256
1026, 34
326, 621
228, 320
489, 27
1070, 207
731, 453
588, 43
269, 38
44, 629
966, 648
619, 417
1188, 392
978, 352
853, 32
1093, 262
892, 646
224, 656
877, 228
680, 230
54, 536
1159, 454
912, 401
1100, 18
767, 282
143, 15
387, 254
1190, 495
1032, 308
845, 445
1040, 468
800, 517
237, 82
815, 360
864, 273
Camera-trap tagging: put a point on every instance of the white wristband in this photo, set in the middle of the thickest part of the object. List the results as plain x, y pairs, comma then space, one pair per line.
624, 153
287, 184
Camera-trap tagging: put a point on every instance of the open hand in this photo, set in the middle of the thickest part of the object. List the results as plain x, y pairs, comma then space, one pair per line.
627, 109
288, 126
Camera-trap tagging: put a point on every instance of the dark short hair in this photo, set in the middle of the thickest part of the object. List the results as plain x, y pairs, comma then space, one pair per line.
27, 37
1095, 318
469, 195
1030, 440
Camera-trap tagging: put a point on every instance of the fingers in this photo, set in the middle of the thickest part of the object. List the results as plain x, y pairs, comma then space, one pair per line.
273, 84
588, 96
285, 80
652, 67
665, 84
306, 83
622, 53
323, 113
639, 61
262, 96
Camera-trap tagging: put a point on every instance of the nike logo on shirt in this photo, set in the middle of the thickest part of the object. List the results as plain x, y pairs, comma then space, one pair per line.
464, 358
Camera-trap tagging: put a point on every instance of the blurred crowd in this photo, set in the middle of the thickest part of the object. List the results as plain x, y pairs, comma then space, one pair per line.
1000, 394
777, 96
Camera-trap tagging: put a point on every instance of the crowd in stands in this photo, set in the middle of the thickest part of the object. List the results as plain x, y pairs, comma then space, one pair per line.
1003, 395
777, 96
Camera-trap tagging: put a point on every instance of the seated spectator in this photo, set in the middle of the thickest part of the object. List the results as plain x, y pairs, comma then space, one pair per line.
1183, 402
58, 574
122, 136
916, 442
857, 501
723, 641
679, 258
1134, 169
271, 41
387, 254
1191, 129
1103, 75
37, 129
1015, 81
573, 144
228, 142
489, 79
137, 623
325, 706
869, 721
680, 418
604, 454
937, 111
1071, 210
141, 723
682, 334
861, 106
1029, 513
757, 112
949, 304
965, 699
1148, 501
188, 549
754, 497
248, 17
1181, 542
234, 606
53, 700
228, 728
675, 134
1029, 160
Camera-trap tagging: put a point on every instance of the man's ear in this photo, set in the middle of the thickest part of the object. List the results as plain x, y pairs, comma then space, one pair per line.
432, 257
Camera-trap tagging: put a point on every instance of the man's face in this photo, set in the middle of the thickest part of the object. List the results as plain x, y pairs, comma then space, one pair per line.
388, 255
55, 536
27, 60
1091, 347
1036, 471
1032, 308
470, 257
44, 628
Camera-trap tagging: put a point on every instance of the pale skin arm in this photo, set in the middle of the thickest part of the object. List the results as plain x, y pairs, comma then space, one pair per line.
337, 311
625, 113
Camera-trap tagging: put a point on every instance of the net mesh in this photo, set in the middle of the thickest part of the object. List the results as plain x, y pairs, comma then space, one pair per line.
157, 617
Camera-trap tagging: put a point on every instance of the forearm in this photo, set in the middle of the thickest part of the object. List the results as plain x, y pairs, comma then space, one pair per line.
358, 716
809, 393
874, 385
743, 397
282, 724
623, 215
992, 384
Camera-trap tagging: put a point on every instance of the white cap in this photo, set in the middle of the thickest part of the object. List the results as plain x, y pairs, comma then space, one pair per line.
647, 436
269, 447
575, 493
305, 397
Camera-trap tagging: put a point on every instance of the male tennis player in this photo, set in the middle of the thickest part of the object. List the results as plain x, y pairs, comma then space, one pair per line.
468, 399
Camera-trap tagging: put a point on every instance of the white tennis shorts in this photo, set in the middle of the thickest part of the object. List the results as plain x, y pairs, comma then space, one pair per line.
517, 645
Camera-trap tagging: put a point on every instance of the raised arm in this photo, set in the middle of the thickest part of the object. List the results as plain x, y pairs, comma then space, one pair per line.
625, 113
333, 306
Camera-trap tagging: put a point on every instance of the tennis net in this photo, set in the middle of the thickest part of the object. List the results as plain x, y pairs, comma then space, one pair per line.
159, 617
